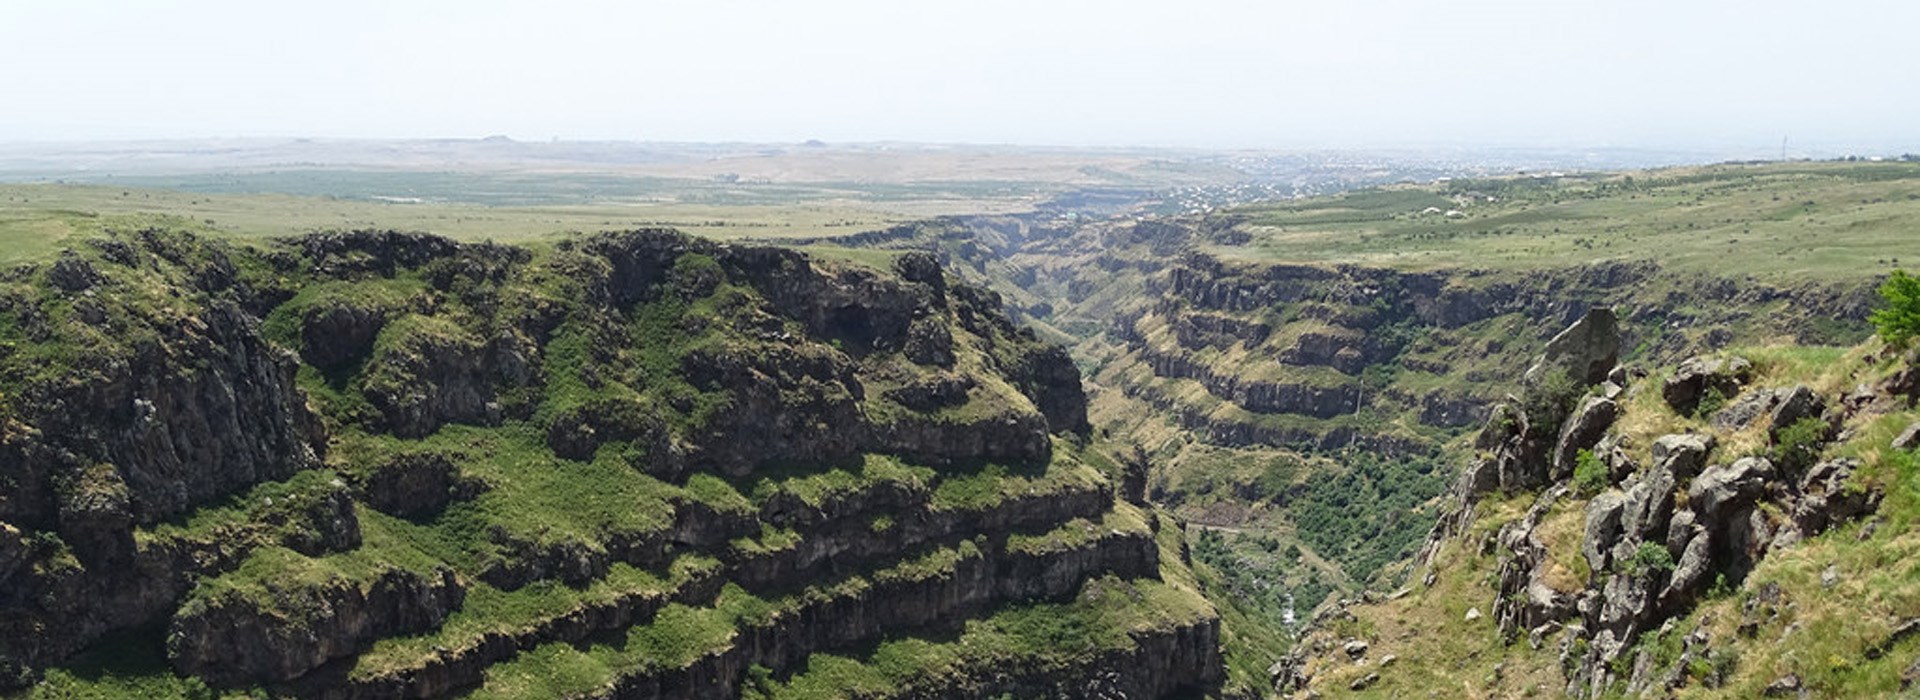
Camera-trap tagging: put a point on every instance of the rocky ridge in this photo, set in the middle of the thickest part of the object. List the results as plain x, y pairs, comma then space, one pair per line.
1621, 540
377, 464
1228, 364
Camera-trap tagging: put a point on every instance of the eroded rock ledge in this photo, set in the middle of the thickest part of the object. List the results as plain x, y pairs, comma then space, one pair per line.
289, 457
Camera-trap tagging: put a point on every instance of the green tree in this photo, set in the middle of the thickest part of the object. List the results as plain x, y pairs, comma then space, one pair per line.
1899, 320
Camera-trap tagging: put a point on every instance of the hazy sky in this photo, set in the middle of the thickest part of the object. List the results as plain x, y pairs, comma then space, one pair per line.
1188, 72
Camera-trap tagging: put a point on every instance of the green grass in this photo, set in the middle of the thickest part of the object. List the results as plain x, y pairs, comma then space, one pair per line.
242, 514
532, 495
680, 634
489, 610
264, 579
131, 664
818, 488
988, 485
936, 563
627, 361
1125, 519
1033, 638
1798, 221
38, 233
384, 296
677, 636
36, 219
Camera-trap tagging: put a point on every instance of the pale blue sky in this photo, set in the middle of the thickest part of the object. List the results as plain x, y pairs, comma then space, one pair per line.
1195, 72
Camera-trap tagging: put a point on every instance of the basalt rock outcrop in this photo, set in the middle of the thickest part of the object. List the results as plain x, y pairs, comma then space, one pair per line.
1586, 351
1191, 323
1287, 342
1296, 352
1601, 562
292, 461
1656, 536
1698, 377
1532, 442
1660, 558
232, 639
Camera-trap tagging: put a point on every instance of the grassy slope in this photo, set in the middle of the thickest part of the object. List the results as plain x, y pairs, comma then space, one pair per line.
1859, 210
36, 220
1103, 616
1801, 221
1823, 637
1863, 214
722, 193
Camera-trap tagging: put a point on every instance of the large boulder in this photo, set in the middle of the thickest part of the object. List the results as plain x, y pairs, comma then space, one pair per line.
1782, 407
1049, 378
1683, 454
922, 267
1744, 410
1581, 432
929, 342
1680, 530
1612, 451
1699, 375
317, 523
1587, 350
1720, 490
1828, 496
1695, 562
1907, 439
1602, 532
96, 516
1627, 601
1650, 505
1794, 405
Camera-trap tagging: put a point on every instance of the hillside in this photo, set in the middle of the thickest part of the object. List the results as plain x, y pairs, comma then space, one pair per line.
1307, 377
1306, 395
622, 465
1740, 525
1794, 222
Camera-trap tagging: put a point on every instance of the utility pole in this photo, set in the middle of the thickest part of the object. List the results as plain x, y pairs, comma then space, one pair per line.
1783, 148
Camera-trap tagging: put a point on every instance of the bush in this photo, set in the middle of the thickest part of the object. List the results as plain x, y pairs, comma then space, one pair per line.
1722, 663
1899, 321
1711, 401
1651, 557
1547, 403
1798, 446
1590, 475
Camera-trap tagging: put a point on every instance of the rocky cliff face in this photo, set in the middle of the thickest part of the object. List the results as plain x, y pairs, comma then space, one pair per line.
137, 388
1223, 325
1317, 348
297, 459
1230, 363
1628, 532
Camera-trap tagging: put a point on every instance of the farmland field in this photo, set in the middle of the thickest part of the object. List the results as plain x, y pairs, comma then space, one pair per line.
1802, 221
